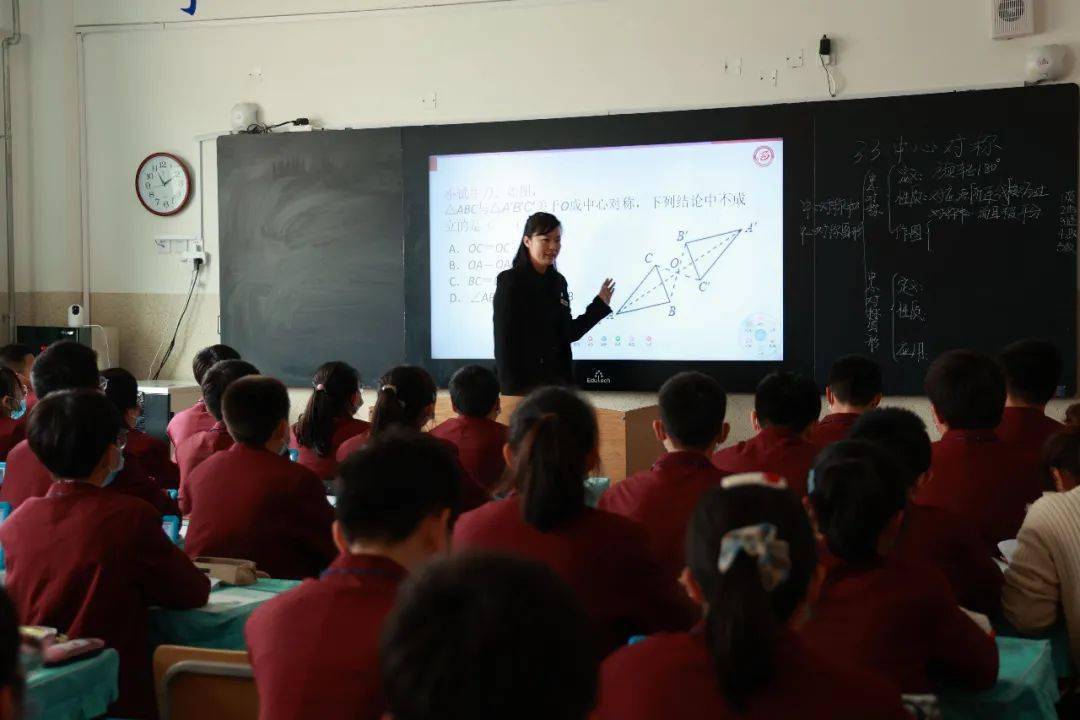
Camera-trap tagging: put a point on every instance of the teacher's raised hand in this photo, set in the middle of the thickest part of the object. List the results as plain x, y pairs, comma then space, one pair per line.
606, 291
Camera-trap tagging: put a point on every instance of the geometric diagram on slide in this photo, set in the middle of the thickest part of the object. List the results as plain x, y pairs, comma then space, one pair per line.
657, 288
759, 335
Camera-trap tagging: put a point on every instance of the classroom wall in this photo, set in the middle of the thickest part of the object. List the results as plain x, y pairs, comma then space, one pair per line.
155, 79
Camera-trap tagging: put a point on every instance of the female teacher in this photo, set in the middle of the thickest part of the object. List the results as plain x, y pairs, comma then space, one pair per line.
533, 326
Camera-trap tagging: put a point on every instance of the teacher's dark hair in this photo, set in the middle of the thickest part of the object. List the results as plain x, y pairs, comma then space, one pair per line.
540, 223
553, 433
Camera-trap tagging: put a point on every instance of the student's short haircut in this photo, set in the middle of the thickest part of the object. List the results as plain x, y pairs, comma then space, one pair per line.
385, 489
855, 380
65, 365
488, 637
1032, 370
786, 399
13, 354
1062, 452
692, 409
218, 379
474, 390
121, 388
253, 408
70, 430
899, 431
967, 389
210, 356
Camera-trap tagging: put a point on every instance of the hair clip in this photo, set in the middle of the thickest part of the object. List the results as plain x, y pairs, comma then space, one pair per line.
758, 542
320, 386
388, 388
769, 480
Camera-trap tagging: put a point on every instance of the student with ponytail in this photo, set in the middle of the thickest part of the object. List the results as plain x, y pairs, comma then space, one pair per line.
328, 420
897, 619
605, 558
752, 560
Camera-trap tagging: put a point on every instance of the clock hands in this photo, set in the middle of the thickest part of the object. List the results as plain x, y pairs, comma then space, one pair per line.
164, 182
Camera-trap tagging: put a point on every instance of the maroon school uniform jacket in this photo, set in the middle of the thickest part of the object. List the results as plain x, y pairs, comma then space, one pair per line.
300, 670
12, 432
672, 676
1028, 429
90, 562
326, 466
901, 622
662, 500
480, 444
774, 450
26, 477
196, 449
975, 475
832, 428
186, 423
472, 495
605, 558
252, 504
153, 455
948, 542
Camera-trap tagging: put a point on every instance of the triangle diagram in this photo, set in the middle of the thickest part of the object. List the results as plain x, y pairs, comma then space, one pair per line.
650, 292
706, 252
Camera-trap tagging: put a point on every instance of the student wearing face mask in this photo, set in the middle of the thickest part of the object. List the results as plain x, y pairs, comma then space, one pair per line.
87, 560
12, 412
533, 324
250, 501
122, 389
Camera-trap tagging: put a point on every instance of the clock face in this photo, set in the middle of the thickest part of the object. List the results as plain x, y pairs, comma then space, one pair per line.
163, 184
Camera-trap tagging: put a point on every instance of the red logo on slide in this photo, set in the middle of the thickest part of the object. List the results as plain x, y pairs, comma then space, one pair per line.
764, 156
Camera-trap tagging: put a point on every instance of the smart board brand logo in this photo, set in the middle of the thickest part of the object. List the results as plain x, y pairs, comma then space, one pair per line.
598, 378
764, 156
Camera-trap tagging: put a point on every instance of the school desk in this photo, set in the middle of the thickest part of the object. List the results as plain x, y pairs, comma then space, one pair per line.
1026, 687
220, 624
78, 691
1058, 635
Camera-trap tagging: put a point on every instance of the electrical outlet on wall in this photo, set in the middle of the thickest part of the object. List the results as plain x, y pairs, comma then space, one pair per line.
430, 101
796, 60
195, 252
768, 76
173, 244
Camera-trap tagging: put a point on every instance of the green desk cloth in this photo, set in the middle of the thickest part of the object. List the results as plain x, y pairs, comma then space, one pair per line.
1026, 686
1058, 636
219, 625
78, 691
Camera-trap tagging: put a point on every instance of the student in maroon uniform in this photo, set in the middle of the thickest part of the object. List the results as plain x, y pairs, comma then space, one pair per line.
19, 358
893, 618
250, 501
855, 387
396, 501
691, 425
88, 561
930, 535
123, 391
328, 420
752, 560
785, 406
407, 399
1032, 373
973, 473
197, 418
487, 637
12, 412
67, 366
604, 557
203, 444
474, 395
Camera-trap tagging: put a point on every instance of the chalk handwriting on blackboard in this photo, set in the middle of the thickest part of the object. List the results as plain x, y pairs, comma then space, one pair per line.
908, 320
1066, 235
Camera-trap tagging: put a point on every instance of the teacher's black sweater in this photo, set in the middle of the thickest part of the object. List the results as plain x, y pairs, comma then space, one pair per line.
534, 329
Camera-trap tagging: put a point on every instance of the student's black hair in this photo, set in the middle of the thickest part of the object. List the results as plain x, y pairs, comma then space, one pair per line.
333, 388
692, 409
474, 390
386, 488
786, 399
1072, 415
488, 637
552, 434
11, 675
121, 388
1032, 370
217, 381
65, 365
253, 407
859, 487
208, 357
855, 380
901, 432
540, 223
744, 620
1062, 452
404, 393
70, 430
9, 383
12, 355
967, 389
